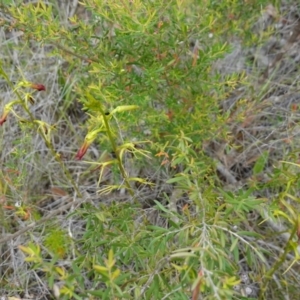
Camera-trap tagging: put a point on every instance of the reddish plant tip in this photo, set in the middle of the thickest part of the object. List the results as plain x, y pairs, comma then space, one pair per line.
81, 152
79, 155
3, 118
37, 86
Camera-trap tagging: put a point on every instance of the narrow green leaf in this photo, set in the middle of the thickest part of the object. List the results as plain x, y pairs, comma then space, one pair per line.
124, 108
249, 233
175, 179
261, 163
234, 243
161, 207
183, 255
111, 261
100, 268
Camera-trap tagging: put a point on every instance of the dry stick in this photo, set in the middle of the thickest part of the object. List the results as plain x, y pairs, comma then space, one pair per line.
73, 8
226, 173
41, 221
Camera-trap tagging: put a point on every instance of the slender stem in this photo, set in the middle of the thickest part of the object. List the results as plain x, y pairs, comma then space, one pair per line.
278, 263
89, 60
114, 146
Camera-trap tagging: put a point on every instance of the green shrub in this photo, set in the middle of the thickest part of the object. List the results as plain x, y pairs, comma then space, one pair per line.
145, 78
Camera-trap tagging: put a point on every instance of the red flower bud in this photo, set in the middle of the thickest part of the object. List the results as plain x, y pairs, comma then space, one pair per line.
38, 87
90, 137
81, 152
4, 116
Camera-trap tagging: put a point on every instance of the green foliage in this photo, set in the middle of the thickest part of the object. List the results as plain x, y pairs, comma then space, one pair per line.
145, 78
57, 242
